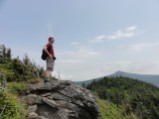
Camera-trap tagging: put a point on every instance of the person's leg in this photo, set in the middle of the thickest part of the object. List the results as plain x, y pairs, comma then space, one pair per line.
46, 75
49, 68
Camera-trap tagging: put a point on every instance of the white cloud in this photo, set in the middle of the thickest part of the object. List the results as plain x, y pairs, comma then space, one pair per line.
142, 46
62, 76
134, 66
120, 34
83, 64
98, 39
89, 70
71, 61
74, 43
80, 53
131, 28
76, 64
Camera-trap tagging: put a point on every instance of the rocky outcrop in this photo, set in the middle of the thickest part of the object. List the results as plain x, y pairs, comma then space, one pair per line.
60, 100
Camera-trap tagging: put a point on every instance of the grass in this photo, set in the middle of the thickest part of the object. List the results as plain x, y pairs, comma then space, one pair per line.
112, 111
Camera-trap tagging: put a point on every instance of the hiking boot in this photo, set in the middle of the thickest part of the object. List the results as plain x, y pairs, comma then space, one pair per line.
46, 80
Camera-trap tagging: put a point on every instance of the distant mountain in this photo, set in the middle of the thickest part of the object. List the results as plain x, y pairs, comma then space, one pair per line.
153, 79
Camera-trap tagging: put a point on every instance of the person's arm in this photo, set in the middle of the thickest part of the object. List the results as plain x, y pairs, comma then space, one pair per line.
46, 50
54, 57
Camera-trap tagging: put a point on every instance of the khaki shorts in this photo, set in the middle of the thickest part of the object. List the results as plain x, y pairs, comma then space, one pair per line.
49, 64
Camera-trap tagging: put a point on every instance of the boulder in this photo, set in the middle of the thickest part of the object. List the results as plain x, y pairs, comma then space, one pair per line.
32, 109
60, 100
51, 103
32, 99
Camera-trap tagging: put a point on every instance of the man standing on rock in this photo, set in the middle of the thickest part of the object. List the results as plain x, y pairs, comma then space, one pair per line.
50, 58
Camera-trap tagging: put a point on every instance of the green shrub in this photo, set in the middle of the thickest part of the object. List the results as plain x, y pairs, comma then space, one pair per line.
17, 88
11, 107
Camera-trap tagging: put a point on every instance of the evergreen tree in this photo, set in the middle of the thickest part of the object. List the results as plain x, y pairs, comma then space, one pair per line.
136, 97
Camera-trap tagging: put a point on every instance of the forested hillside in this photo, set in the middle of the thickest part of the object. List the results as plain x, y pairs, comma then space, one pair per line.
135, 99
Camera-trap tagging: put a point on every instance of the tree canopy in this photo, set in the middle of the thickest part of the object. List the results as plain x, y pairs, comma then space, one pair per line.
133, 96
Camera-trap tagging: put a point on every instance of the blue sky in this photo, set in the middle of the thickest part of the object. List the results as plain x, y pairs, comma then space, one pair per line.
93, 38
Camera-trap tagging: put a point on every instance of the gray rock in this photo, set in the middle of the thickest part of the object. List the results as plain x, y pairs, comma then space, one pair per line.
61, 100
58, 96
46, 94
32, 114
36, 117
50, 103
32, 109
32, 99
40, 87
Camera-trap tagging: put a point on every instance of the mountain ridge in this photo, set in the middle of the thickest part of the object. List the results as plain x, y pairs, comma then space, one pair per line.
149, 78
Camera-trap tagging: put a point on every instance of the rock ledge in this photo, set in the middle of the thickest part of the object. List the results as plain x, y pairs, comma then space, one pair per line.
60, 100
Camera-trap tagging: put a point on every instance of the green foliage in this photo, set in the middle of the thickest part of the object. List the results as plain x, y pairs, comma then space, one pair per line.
17, 73
11, 108
111, 111
17, 88
136, 98
34, 81
16, 69
5, 54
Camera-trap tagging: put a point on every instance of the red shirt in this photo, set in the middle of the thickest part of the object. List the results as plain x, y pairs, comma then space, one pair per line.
50, 49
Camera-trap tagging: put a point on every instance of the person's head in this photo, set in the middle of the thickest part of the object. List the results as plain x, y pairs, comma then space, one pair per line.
51, 39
